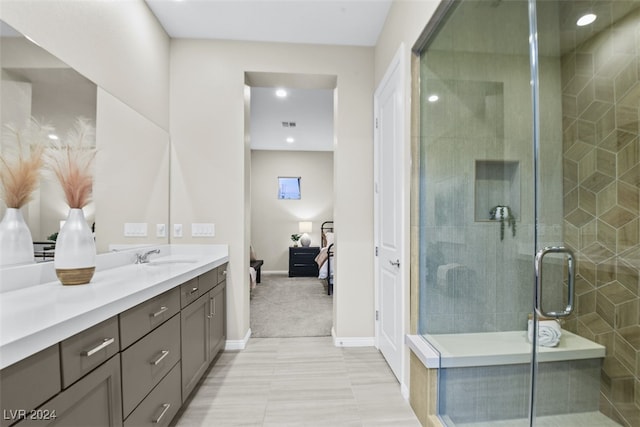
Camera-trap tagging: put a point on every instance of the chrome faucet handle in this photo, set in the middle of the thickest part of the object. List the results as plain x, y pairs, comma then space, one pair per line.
142, 258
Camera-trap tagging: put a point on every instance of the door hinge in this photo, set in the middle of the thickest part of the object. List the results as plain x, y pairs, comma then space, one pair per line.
377, 315
376, 123
376, 251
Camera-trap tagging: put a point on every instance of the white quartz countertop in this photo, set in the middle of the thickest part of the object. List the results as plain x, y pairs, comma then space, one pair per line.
36, 316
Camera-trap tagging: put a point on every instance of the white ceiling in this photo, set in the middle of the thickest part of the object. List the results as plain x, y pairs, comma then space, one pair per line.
305, 115
329, 22
334, 22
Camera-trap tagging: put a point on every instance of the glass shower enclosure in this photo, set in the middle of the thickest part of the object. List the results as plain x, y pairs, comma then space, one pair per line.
529, 199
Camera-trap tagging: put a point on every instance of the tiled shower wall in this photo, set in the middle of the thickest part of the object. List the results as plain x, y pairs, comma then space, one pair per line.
601, 112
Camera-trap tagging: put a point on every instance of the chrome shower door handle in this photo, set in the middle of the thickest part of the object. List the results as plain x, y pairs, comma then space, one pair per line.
571, 275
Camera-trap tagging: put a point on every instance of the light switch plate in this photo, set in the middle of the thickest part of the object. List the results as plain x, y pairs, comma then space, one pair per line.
203, 230
161, 230
135, 229
177, 230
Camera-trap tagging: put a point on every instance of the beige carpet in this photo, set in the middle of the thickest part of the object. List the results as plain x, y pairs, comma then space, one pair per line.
284, 307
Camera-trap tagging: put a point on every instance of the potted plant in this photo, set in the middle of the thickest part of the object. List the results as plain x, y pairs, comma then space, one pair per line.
504, 215
71, 162
21, 161
295, 237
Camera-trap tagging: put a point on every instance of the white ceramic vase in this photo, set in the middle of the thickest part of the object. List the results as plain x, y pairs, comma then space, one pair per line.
16, 243
75, 256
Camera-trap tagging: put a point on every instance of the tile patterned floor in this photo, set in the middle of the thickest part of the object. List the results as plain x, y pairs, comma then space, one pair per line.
298, 382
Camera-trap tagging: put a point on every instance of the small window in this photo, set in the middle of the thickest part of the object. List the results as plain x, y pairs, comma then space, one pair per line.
288, 188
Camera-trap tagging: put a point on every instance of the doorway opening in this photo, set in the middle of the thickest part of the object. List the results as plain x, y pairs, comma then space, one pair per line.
291, 136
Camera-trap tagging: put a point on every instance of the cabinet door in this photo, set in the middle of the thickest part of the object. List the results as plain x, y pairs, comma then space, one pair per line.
27, 384
217, 319
95, 400
194, 328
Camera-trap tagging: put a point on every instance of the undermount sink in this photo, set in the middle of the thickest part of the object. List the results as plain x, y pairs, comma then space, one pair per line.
170, 261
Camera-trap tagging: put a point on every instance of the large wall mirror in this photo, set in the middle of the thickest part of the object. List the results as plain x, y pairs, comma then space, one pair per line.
131, 182
36, 84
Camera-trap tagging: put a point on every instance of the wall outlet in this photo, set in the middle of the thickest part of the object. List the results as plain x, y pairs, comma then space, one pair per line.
177, 230
135, 229
203, 230
161, 230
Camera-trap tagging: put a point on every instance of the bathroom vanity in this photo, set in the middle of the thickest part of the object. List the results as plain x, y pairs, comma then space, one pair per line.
126, 349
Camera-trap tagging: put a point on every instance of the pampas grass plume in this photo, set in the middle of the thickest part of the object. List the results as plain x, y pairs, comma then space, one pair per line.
71, 160
21, 161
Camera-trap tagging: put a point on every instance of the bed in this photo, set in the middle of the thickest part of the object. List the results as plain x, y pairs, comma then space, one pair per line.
325, 257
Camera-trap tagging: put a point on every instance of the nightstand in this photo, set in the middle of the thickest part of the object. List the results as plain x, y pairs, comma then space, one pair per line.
302, 261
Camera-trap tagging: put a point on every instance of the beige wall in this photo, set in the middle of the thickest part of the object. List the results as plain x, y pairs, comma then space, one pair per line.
273, 221
404, 24
118, 45
210, 171
121, 47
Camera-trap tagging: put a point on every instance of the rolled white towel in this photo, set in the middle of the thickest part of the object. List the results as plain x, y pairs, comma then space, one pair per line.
549, 332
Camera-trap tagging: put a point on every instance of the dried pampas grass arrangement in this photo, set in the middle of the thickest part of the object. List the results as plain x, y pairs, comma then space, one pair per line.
71, 160
21, 160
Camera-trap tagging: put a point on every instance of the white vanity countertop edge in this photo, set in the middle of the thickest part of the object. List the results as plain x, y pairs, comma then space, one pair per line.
36, 317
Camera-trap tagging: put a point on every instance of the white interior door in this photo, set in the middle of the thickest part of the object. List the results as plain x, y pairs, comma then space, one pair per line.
389, 199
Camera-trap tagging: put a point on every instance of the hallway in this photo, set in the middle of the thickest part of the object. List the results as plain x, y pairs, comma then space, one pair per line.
296, 382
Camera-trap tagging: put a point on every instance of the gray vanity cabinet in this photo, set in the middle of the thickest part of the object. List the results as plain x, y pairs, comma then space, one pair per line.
195, 343
147, 361
203, 327
134, 369
27, 384
217, 319
85, 351
92, 401
144, 318
161, 405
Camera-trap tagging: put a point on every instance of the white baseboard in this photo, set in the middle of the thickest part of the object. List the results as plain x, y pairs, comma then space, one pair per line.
405, 391
352, 341
238, 344
267, 272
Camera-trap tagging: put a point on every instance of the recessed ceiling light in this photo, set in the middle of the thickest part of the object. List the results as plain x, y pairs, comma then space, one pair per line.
281, 93
586, 19
53, 136
290, 140
433, 98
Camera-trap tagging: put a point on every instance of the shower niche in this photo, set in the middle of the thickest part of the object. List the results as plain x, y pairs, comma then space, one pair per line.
497, 183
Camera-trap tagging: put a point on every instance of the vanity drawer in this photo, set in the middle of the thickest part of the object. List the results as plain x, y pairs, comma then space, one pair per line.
143, 318
28, 383
222, 273
208, 280
146, 362
189, 292
85, 351
161, 405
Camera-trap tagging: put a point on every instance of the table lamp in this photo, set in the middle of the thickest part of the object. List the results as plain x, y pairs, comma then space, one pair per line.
304, 228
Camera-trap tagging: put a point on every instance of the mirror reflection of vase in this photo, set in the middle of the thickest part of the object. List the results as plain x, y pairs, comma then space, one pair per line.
16, 243
75, 256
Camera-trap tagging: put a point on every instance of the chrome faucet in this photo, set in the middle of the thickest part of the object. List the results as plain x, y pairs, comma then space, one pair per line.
142, 258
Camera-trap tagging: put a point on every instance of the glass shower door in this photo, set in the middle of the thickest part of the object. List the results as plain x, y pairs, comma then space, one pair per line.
529, 199
586, 97
476, 220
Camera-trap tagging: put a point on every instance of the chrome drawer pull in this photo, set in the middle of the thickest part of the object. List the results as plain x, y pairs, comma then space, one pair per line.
165, 408
165, 353
193, 290
104, 344
159, 312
